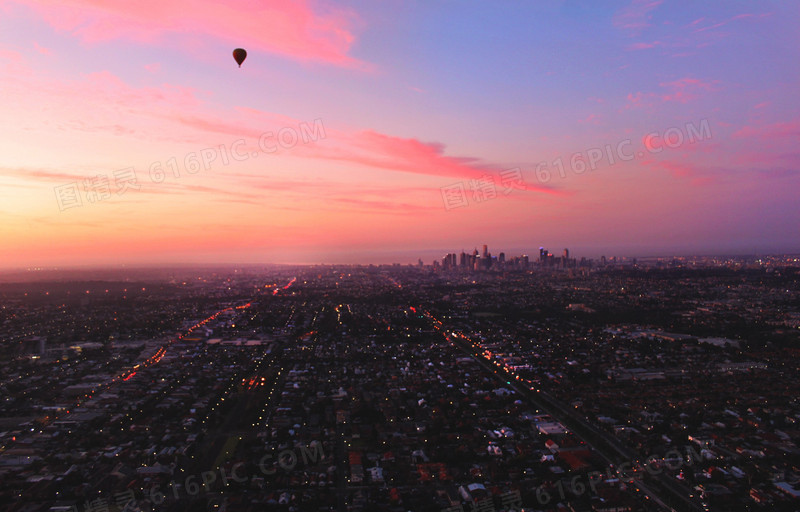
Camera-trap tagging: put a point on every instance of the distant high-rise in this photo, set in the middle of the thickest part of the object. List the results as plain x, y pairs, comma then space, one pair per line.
481, 260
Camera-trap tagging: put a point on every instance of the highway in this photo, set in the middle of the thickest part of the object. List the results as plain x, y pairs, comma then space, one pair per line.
605, 444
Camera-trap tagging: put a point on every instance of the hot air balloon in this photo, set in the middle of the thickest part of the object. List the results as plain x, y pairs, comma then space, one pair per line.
239, 54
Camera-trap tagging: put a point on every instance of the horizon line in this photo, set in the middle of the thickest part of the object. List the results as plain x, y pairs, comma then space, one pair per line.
170, 265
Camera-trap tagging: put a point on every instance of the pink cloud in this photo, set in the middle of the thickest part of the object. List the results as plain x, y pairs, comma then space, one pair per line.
682, 43
650, 145
12, 63
102, 102
681, 170
182, 187
38, 174
636, 16
95, 103
644, 45
348, 195
759, 157
386, 206
590, 119
110, 89
289, 29
92, 103
773, 131
682, 90
364, 148
412, 155
322, 187
115, 129
676, 169
639, 100
725, 22
213, 125
41, 49
373, 149
686, 82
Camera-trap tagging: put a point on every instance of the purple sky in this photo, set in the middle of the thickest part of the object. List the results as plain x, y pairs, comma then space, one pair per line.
370, 131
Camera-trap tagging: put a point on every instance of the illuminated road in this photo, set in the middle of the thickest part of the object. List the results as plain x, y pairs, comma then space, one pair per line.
608, 446
130, 373
277, 290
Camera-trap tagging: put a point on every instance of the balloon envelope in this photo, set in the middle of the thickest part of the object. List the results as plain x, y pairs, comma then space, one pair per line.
239, 54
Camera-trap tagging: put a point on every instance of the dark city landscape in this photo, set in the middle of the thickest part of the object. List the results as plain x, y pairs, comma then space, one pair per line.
478, 382
399, 256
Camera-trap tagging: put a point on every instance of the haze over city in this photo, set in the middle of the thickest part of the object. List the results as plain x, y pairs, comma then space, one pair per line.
359, 132
399, 256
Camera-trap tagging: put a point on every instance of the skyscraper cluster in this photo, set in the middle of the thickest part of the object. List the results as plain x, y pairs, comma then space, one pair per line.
550, 260
484, 260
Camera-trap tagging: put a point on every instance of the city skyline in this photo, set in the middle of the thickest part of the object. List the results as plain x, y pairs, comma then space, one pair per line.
364, 133
431, 258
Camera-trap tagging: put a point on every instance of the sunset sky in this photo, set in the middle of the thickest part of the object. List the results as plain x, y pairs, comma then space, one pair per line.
375, 132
